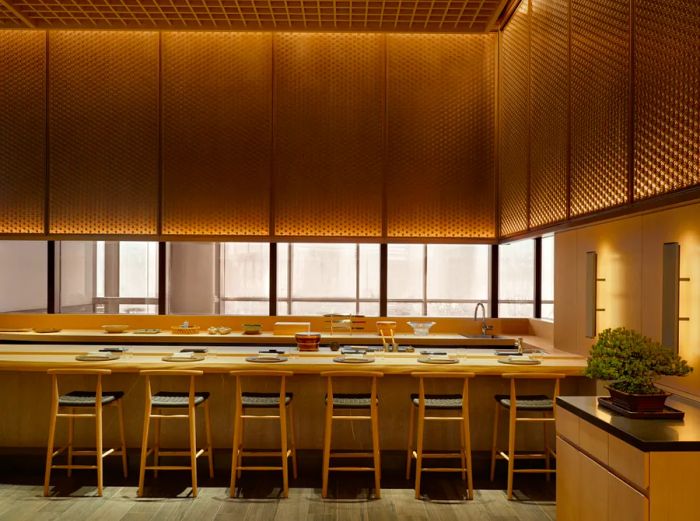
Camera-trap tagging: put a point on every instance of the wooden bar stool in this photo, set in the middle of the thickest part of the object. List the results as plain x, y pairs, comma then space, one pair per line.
514, 403
440, 402
352, 401
96, 400
255, 400
156, 406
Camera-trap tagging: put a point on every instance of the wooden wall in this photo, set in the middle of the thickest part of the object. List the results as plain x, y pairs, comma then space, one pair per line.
599, 103
630, 260
247, 135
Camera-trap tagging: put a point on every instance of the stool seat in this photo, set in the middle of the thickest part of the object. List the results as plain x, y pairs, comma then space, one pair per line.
352, 400
87, 398
439, 401
529, 402
264, 399
165, 399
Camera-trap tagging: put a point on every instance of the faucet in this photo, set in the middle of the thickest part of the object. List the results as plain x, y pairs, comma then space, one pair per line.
484, 327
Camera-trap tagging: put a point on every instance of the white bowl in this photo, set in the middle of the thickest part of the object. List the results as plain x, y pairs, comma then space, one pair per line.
421, 328
115, 328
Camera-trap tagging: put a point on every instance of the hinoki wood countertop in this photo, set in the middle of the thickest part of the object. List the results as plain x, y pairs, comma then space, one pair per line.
39, 358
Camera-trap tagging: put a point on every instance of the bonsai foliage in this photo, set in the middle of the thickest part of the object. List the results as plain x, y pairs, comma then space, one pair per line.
633, 362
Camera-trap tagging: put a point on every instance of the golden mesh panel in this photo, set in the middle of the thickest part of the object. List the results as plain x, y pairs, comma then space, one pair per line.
667, 96
216, 125
22, 129
283, 15
600, 72
549, 108
440, 156
9, 19
103, 132
328, 134
513, 127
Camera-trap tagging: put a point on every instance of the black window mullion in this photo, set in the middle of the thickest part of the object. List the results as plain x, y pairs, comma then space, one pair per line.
273, 279
538, 278
162, 278
493, 276
383, 279
52, 292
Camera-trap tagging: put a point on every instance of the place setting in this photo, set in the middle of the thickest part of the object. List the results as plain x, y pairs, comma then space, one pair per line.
104, 354
436, 357
268, 356
188, 354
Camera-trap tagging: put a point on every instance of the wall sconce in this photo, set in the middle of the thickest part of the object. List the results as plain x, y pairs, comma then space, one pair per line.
670, 295
592, 281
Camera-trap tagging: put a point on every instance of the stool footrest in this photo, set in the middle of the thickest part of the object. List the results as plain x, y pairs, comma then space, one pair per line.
260, 416
168, 467
75, 415
352, 469
91, 467
516, 456
169, 416
444, 418
351, 418
258, 468
438, 455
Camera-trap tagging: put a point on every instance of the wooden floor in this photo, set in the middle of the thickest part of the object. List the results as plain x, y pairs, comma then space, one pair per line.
168, 498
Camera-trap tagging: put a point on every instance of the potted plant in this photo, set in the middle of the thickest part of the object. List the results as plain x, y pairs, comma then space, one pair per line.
632, 363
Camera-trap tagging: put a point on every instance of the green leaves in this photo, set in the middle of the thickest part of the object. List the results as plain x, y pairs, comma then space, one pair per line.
632, 361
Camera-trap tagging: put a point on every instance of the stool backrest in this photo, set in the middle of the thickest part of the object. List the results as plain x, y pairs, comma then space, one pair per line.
515, 377
99, 373
426, 375
192, 373
373, 375
282, 375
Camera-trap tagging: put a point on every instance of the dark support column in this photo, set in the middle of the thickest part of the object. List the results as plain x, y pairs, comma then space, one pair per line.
273, 279
493, 286
538, 278
51, 293
162, 278
383, 285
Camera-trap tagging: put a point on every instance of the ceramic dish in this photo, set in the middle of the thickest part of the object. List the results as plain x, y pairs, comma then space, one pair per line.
266, 359
347, 360
518, 361
146, 331
46, 330
115, 328
428, 360
179, 357
97, 356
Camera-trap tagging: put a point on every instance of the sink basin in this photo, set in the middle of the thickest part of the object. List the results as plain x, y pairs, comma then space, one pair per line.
483, 336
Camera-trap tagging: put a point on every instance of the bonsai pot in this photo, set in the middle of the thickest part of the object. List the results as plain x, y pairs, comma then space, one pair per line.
639, 402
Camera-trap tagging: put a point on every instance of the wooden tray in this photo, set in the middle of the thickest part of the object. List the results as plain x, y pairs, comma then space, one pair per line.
438, 360
519, 362
106, 358
266, 360
669, 413
195, 358
343, 360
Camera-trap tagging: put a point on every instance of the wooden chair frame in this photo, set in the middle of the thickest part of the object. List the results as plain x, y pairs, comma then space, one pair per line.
284, 412
373, 418
158, 414
465, 453
511, 456
71, 415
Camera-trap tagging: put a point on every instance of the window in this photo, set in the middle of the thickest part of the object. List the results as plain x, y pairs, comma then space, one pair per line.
516, 279
315, 279
108, 277
437, 279
548, 277
23, 277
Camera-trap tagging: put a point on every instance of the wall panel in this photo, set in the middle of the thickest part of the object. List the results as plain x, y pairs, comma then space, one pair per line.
549, 111
22, 126
600, 98
667, 96
440, 143
216, 125
328, 134
513, 127
103, 132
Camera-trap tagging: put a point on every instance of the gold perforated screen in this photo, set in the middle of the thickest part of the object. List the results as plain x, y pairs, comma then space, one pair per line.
513, 118
440, 143
667, 96
103, 132
329, 91
600, 97
279, 15
22, 173
9, 18
216, 126
549, 111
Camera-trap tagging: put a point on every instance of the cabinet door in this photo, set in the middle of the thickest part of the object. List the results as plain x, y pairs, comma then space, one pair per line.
625, 503
568, 485
593, 491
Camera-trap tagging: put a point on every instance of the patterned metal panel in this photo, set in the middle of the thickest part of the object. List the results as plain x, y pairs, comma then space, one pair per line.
22, 126
513, 126
329, 92
9, 18
667, 96
103, 132
441, 116
600, 96
549, 110
271, 15
216, 125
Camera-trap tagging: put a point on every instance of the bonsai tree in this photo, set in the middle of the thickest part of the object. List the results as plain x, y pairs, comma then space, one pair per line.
632, 361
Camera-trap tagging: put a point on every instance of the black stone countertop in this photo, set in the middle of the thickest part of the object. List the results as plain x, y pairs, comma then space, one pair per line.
646, 435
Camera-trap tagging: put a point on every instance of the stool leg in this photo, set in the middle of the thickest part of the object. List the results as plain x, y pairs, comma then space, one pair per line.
462, 451
210, 448
327, 445
52, 434
122, 438
156, 442
144, 447
193, 448
409, 444
511, 450
71, 422
293, 441
466, 437
98, 445
283, 449
374, 414
241, 436
235, 448
494, 441
419, 448
547, 464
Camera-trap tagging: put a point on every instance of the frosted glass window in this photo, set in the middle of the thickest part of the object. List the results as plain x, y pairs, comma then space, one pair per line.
516, 279
23, 277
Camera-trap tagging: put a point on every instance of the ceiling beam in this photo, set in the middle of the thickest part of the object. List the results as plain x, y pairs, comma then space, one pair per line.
14, 11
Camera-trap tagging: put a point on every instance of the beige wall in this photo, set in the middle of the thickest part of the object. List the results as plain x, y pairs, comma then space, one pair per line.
630, 258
